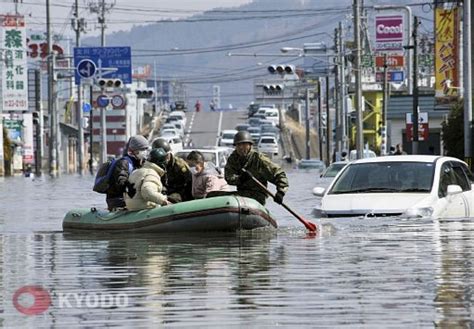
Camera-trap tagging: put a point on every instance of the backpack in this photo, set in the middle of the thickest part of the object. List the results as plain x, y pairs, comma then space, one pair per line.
102, 178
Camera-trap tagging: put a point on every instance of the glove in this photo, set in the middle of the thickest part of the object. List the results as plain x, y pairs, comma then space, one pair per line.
174, 198
279, 197
130, 188
244, 176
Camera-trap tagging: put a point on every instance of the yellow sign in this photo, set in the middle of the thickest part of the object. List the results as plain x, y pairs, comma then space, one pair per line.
447, 52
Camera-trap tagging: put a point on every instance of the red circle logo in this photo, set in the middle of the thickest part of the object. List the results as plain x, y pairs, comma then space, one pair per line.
41, 302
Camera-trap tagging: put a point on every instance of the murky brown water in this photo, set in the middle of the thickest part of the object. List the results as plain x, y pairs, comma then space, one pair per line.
369, 273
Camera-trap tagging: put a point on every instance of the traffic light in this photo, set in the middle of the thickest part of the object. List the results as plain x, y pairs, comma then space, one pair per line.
109, 83
281, 69
273, 87
36, 118
144, 93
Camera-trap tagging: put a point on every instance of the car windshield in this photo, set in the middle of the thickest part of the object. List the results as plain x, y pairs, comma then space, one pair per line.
228, 136
380, 177
267, 141
334, 169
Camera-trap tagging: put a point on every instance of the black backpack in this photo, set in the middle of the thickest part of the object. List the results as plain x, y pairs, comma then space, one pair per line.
102, 178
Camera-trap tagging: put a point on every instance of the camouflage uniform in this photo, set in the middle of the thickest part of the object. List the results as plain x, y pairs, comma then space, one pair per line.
261, 167
178, 180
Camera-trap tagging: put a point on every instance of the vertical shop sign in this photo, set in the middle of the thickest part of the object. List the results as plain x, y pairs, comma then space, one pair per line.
14, 69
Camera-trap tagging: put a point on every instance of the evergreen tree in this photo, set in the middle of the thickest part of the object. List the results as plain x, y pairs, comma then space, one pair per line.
453, 131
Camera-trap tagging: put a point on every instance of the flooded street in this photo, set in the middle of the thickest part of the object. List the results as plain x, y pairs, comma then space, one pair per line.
369, 273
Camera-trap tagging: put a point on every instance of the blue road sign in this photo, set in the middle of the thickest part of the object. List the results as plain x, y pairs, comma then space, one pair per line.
86, 68
392, 76
118, 58
86, 107
102, 101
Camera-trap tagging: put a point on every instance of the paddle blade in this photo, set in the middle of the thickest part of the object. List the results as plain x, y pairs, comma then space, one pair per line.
309, 225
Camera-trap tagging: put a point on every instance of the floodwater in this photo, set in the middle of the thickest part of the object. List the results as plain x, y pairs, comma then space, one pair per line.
357, 273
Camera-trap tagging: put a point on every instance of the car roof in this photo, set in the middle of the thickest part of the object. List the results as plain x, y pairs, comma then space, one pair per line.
406, 158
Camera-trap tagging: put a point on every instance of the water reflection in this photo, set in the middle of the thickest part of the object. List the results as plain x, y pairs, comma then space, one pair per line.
373, 272
454, 282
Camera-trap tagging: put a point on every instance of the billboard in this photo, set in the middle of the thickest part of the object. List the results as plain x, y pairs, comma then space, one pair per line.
14, 84
389, 33
447, 52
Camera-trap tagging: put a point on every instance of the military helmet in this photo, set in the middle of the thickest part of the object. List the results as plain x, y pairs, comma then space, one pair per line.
161, 143
158, 156
242, 137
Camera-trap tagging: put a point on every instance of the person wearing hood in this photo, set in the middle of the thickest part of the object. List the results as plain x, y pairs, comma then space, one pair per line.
135, 153
146, 183
206, 178
259, 165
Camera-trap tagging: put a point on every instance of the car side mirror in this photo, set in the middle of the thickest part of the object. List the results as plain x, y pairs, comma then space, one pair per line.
454, 189
319, 191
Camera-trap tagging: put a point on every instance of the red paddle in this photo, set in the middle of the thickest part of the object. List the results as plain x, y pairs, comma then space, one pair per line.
309, 225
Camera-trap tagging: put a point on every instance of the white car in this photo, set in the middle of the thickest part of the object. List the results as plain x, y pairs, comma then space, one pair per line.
215, 154
268, 144
175, 142
227, 138
410, 186
180, 115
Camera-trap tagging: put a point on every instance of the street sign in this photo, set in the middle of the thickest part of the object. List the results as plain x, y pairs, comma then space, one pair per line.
392, 76
392, 61
117, 101
86, 107
423, 126
110, 62
102, 101
86, 68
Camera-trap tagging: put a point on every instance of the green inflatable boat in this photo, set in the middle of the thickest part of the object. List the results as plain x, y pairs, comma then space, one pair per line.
223, 213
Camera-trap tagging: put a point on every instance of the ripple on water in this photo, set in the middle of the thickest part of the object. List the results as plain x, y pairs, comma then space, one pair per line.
372, 272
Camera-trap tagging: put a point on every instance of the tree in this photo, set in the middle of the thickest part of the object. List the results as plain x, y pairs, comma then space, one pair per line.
453, 131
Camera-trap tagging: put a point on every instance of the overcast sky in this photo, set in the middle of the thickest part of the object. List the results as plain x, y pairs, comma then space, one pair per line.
122, 16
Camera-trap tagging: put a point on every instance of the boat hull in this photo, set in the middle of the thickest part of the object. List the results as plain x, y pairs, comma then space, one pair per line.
225, 213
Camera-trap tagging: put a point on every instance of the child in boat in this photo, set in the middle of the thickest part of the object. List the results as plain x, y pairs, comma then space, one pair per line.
206, 177
146, 186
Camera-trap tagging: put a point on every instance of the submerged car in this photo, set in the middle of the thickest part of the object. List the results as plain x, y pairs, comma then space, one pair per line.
410, 186
311, 164
333, 169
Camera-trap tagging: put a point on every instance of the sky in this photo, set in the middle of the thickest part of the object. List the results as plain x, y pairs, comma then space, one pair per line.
122, 16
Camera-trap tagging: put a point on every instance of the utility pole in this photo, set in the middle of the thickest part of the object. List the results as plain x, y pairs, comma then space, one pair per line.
358, 82
385, 106
320, 129
467, 83
415, 87
308, 150
53, 124
328, 124
78, 26
337, 103
342, 79
91, 130
101, 9
39, 125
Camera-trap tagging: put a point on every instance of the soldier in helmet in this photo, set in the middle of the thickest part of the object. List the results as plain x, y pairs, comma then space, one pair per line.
259, 165
146, 183
178, 178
